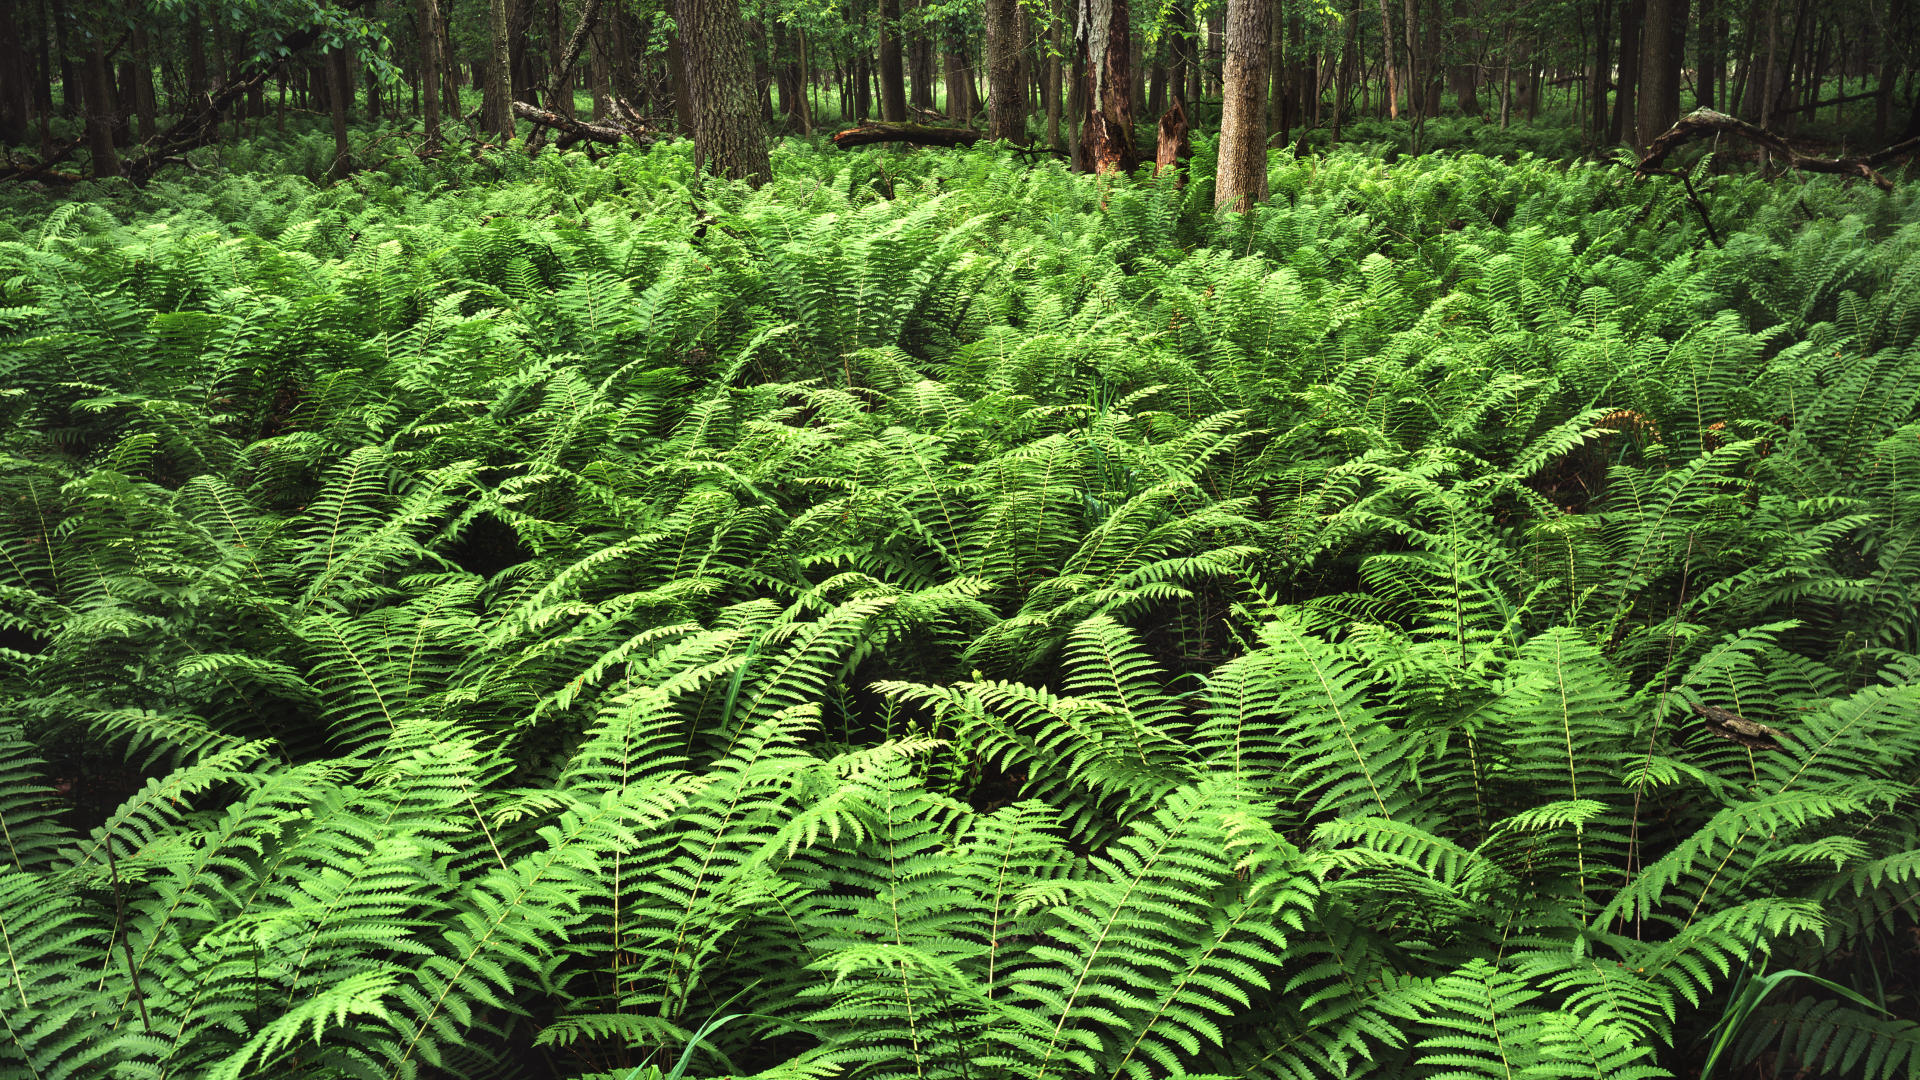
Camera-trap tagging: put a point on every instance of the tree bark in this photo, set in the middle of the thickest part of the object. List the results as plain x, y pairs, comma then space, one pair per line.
1631, 14
1054, 90
339, 91
1003, 72
1242, 177
1602, 80
1107, 137
1663, 42
893, 84
1386, 48
916, 134
16, 93
428, 16
95, 86
496, 114
728, 138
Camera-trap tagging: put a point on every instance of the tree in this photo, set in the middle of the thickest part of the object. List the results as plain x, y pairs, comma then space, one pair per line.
893, 86
1003, 72
1107, 138
728, 138
1242, 177
496, 110
1662, 46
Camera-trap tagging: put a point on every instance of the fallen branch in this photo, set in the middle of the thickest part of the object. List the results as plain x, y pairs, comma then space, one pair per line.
568, 56
575, 131
199, 128
917, 134
1702, 123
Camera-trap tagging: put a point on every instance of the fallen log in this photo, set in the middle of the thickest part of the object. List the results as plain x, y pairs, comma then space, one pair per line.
917, 134
1702, 123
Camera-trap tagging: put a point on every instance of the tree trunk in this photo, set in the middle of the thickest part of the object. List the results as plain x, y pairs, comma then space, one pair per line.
339, 92
16, 91
1108, 133
893, 84
1631, 16
559, 76
677, 76
959, 95
728, 138
496, 115
1707, 55
1003, 72
1602, 74
1663, 41
921, 64
1241, 179
1386, 49
428, 18
96, 86
1349, 57
1053, 74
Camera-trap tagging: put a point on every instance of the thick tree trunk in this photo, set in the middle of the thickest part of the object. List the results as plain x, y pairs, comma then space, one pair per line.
1242, 177
96, 86
16, 95
1663, 42
427, 16
728, 139
496, 114
1386, 49
1003, 72
893, 82
1108, 134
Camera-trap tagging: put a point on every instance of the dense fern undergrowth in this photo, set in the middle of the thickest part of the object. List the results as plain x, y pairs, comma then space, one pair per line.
944, 617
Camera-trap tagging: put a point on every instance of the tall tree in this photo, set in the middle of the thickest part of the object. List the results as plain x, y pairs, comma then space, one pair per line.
1631, 13
893, 84
496, 108
728, 137
1242, 177
1004, 120
96, 84
1662, 47
1386, 46
1107, 137
339, 92
428, 18
16, 95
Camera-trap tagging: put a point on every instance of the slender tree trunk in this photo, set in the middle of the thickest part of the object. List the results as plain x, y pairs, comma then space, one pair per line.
1602, 75
1631, 16
1242, 177
728, 138
1053, 73
1386, 48
1706, 56
921, 65
339, 92
1003, 72
428, 18
1349, 57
